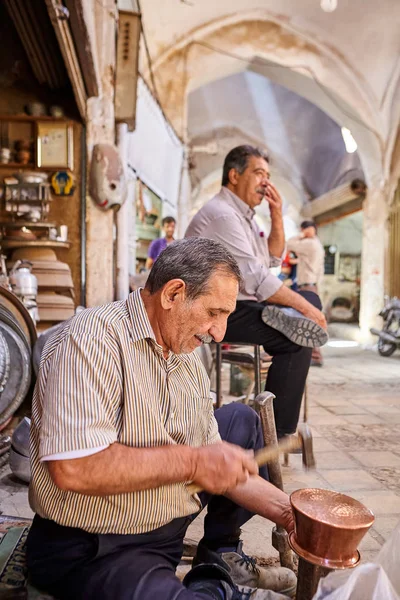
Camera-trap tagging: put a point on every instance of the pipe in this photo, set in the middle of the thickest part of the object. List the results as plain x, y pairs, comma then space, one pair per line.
83, 214
386, 337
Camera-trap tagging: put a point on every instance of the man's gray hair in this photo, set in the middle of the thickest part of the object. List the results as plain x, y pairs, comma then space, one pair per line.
194, 260
238, 158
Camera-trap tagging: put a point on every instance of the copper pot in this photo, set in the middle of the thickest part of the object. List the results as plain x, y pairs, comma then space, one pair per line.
329, 527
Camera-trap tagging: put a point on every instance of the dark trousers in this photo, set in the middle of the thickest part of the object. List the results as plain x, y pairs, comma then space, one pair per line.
73, 564
290, 363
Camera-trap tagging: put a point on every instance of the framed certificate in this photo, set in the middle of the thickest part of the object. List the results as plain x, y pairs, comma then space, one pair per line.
54, 145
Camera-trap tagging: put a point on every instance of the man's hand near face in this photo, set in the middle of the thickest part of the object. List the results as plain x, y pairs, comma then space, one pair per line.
273, 198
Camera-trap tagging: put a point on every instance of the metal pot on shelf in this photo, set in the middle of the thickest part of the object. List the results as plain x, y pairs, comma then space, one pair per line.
22, 280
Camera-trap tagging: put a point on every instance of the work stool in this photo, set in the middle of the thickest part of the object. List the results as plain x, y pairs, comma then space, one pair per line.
250, 361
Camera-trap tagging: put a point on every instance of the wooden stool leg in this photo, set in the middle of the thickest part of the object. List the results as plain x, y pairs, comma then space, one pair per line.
218, 374
280, 540
257, 371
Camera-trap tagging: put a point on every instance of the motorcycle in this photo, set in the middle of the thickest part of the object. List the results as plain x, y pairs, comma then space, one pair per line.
389, 336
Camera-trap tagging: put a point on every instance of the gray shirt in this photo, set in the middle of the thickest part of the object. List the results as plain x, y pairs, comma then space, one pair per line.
229, 220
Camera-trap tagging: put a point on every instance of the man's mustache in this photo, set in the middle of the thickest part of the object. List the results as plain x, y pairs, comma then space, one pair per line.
205, 338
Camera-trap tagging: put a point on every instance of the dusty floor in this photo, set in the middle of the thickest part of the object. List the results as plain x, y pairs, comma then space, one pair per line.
354, 412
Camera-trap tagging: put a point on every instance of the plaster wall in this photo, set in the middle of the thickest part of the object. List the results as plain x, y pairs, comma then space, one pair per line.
346, 234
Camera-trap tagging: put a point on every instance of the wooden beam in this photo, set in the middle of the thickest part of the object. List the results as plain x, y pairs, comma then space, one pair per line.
67, 47
340, 212
83, 46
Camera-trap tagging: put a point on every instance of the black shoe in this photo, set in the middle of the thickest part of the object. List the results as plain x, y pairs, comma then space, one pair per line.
295, 326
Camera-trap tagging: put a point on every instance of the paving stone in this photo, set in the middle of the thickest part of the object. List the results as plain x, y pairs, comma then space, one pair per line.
334, 460
321, 444
327, 419
388, 476
377, 459
380, 502
383, 409
350, 409
349, 480
369, 543
363, 419
385, 525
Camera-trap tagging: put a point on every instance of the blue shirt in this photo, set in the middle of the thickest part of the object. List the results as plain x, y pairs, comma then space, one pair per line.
156, 247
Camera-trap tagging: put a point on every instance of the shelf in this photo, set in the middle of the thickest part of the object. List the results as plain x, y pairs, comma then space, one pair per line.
33, 244
15, 165
32, 118
28, 224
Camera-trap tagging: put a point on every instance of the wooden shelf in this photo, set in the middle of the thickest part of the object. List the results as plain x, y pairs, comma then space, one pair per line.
32, 118
33, 244
28, 224
15, 165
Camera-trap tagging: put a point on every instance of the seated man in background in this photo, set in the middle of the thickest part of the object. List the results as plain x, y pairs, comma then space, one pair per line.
286, 335
157, 246
122, 421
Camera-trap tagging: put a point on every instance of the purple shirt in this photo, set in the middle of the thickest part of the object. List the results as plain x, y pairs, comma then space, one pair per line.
156, 247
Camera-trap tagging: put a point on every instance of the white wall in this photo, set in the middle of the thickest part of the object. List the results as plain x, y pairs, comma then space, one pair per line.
346, 234
155, 152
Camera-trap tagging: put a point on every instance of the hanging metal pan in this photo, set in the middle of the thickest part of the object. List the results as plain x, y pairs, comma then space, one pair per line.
14, 305
17, 384
8, 317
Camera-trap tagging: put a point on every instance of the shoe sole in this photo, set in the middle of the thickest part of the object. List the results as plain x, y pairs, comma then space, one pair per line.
299, 330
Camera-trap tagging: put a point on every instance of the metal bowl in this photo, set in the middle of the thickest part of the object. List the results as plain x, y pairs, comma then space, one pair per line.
31, 177
20, 437
20, 465
329, 527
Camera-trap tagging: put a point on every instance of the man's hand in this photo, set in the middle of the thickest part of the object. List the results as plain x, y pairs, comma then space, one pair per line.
221, 467
287, 519
273, 198
315, 315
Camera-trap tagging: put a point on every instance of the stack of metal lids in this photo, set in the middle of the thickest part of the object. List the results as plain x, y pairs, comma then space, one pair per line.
55, 286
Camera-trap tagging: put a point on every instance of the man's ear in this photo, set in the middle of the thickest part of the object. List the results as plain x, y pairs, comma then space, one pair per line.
173, 291
233, 176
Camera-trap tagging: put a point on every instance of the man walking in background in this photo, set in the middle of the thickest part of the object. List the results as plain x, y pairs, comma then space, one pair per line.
157, 246
310, 266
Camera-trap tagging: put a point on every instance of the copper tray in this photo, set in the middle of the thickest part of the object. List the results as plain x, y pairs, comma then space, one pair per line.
323, 562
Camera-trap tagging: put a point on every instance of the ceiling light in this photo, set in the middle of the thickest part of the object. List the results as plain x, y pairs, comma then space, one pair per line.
349, 141
329, 5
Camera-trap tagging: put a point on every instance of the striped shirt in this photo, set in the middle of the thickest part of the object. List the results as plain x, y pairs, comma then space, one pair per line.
103, 379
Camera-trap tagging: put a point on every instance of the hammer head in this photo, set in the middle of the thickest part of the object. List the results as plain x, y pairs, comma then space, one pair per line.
305, 437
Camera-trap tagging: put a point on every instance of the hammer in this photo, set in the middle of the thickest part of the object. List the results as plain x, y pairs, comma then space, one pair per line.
303, 440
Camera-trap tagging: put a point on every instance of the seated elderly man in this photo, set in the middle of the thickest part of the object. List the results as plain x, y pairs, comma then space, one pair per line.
261, 316
122, 421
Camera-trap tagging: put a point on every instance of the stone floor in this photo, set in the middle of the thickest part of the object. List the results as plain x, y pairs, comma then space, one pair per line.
354, 413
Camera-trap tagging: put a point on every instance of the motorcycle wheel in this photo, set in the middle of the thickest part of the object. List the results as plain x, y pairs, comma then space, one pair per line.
386, 348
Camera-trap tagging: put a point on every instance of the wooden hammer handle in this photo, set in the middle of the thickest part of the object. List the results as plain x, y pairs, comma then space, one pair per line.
262, 457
